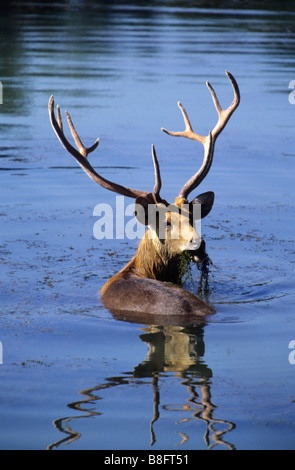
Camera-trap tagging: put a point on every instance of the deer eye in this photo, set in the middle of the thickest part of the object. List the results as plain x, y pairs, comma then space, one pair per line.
168, 223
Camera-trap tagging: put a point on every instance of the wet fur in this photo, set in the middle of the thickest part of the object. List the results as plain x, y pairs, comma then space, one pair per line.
148, 284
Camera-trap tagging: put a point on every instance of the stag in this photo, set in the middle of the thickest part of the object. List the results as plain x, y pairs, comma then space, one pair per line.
149, 284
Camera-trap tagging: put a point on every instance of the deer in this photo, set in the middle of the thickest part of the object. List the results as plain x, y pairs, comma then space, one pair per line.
149, 286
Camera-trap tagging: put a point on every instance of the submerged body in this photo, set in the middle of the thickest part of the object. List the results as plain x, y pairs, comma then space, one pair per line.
151, 297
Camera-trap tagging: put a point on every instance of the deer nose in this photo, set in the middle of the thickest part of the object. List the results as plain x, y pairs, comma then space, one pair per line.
200, 253
196, 243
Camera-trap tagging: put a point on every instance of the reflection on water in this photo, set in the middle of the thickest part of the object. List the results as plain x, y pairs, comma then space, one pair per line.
171, 349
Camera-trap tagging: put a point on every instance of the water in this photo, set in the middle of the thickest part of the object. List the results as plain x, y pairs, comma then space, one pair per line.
72, 375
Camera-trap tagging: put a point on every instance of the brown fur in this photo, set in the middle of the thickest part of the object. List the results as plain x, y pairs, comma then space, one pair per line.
148, 285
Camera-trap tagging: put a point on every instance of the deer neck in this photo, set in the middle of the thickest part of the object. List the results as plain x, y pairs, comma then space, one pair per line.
154, 261
151, 261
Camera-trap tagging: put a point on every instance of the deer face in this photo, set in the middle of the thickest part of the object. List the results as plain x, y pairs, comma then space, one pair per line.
173, 225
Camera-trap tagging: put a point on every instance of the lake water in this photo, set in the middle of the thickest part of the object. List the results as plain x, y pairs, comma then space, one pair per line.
72, 375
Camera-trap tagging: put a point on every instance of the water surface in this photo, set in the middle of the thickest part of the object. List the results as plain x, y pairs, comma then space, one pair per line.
73, 376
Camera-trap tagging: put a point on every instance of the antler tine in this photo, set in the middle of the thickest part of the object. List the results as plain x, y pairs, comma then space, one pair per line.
59, 119
81, 156
224, 114
58, 128
158, 181
82, 149
209, 140
188, 132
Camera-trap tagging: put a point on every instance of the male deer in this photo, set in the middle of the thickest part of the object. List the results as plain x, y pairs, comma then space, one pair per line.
148, 285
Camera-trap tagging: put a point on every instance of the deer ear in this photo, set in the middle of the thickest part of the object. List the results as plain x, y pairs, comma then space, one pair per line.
141, 210
206, 200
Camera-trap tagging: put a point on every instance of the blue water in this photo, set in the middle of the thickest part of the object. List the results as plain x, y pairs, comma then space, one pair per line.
72, 375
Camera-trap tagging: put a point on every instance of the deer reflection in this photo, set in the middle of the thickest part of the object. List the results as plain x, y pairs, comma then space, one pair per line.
180, 350
176, 350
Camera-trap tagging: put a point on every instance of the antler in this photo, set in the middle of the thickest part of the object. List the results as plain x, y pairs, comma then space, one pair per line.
81, 157
209, 140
